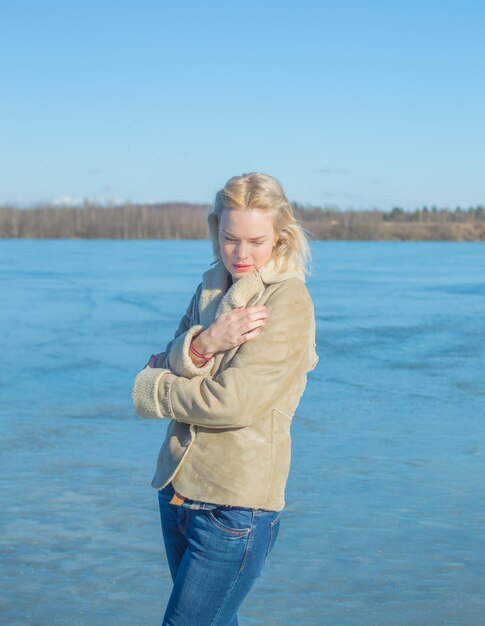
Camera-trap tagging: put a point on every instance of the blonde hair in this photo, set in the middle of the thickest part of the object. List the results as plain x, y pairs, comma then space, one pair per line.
261, 191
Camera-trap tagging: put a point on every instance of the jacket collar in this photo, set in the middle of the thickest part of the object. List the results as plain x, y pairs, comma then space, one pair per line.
216, 298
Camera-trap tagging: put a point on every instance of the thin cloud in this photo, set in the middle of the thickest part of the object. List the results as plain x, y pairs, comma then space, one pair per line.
66, 201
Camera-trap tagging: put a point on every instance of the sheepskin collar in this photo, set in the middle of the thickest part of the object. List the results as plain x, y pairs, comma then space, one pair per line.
216, 298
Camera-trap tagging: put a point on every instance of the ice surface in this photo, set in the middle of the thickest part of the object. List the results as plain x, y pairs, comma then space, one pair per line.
385, 500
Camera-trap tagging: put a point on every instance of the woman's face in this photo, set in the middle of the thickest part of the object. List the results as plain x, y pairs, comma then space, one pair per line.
246, 239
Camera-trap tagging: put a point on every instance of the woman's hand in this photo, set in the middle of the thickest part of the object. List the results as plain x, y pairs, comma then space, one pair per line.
232, 329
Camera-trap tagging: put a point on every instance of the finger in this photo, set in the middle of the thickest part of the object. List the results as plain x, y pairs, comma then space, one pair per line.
257, 315
249, 326
239, 310
252, 309
252, 313
251, 334
247, 323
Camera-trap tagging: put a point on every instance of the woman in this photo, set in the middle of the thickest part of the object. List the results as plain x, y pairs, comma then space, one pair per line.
229, 382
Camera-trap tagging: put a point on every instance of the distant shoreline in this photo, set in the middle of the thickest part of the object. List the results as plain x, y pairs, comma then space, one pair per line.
189, 221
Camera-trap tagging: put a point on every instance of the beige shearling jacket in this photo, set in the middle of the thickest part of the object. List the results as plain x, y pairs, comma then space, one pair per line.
228, 440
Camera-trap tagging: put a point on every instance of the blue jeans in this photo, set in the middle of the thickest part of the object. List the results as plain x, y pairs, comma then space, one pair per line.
215, 557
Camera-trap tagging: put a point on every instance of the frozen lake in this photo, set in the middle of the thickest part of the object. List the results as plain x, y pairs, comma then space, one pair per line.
384, 522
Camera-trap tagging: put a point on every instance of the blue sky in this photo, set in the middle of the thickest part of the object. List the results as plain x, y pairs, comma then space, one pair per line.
354, 104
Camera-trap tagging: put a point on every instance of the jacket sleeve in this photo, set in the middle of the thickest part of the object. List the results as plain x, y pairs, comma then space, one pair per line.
176, 356
256, 377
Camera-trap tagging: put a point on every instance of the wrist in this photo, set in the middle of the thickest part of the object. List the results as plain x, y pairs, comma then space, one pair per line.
202, 344
196, 360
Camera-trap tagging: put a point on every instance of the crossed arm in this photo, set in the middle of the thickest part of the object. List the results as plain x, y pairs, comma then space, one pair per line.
261, 371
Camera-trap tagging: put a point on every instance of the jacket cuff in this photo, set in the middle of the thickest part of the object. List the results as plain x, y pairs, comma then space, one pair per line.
145, 393
180, 360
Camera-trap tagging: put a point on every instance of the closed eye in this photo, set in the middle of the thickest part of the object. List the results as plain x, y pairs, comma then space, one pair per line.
257, 243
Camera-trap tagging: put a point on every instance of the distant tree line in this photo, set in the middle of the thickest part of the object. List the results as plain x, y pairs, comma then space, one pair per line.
189, 221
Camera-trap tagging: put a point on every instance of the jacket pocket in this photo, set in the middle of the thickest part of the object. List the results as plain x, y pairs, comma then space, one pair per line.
258, 432
281, 423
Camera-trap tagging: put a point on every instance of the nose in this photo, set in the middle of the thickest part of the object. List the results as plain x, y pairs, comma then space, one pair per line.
241, 252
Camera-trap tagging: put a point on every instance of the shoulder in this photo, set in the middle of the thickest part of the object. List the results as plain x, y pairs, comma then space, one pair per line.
290, 290
290, 303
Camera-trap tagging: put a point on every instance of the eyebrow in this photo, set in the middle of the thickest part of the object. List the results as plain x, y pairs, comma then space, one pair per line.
252, 238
